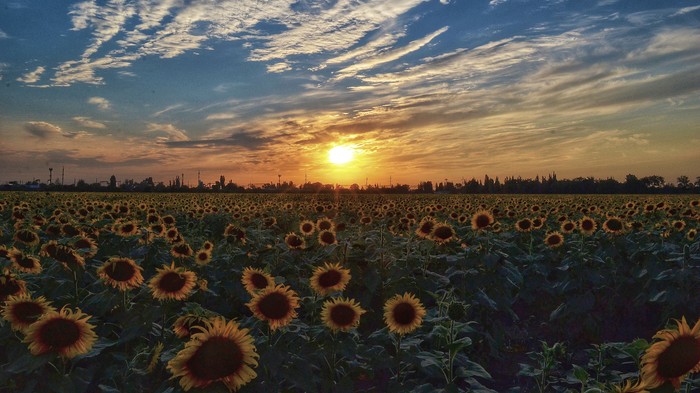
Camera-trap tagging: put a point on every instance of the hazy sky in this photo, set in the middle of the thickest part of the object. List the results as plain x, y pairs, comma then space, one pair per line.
423, 90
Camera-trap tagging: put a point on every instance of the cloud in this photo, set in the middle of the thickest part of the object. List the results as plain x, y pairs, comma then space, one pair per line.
33, 76
76, 134
3, 35
496, 3
102, 103
246, 139
87, 122
167, 109
42, 129
221, 116
388, 56
173, 134
278, 68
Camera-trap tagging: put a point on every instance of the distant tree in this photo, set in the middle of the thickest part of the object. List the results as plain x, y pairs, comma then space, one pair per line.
684, 182
113, 182
653, 181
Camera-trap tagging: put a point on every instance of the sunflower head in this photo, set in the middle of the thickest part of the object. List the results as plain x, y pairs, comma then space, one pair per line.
189, 324
277, 305
121, 273
181, 250
341, 314
327, 237
587, 225
614, 225
554, 240
329, 278
21, 311
25, 263
307, 227
10, 285
481, 220
234, 234
256, 279
403, 313
64, 332
442, 233
27, 237
172, 283
523, 225
202, 257
425, 227
221, 352
294, 241
674, 355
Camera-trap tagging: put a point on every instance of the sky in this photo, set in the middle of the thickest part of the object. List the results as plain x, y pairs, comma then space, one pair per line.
420, 89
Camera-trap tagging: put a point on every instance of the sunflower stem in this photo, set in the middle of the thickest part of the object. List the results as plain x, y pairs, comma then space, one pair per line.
75, 284
398, 358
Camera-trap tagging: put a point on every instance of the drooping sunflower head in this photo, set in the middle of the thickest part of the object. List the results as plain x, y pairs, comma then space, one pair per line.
631, 387
25, 263
277, 305
181, 250
189, 324
481, 220
327, 237
27, 237
234, 234
674, 355
87, 244
341, 314
329, 278
64, 332
121, 273
403, 313
442, 233
294, 241
554, 239
10, 285
172, 283
221, 352
21, 311
256, 279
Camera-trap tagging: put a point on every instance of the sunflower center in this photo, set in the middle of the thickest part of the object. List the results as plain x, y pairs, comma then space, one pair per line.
274, 305
482, 221
217, 358
443, 232
679, 358
294, 241
524, 224
324, 225
27, 312
10, 287
329, 278
615, 225
342, 315
306, 228
259, 281
426, 227
327, 237
553, 239
171, 282
404, 314
120, 271
59, 333
25, 262
587, 225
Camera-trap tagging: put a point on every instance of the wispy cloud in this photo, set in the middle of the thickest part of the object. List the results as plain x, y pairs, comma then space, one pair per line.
33, 76
101, 103
87, 122
3, 35
172, 133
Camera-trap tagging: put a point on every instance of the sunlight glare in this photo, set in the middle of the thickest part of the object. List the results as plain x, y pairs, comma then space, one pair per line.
340, 155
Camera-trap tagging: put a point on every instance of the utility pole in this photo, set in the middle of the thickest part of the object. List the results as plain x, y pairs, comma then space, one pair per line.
50, 175
63, 174
279, 181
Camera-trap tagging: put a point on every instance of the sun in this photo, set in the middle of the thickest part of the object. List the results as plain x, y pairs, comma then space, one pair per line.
341, 154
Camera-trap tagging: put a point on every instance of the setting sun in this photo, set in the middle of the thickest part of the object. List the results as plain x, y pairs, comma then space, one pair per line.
341, 154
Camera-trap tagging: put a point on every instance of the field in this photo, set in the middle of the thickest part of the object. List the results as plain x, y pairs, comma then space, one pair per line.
262, 293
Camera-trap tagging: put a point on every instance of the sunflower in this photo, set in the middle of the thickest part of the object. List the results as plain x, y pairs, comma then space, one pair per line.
691, 234
5, 252
614, 225
21, 311
27, 237
220, 352
277, 305
67, 256
307, 227
269, 221
673, 356
587, 225
208, 246
294, 242
10, 285
442, 233
122, 273
481, 220
554, 239
678, 225
181, 250
327, 237
187, 325
329, 278
425, 227
25, 263
171, 283
86, 243
233, 234
341, 314
403, 313
256, 279
202, 257
126, 229
523, 225
631, 387
567, 226
64, 332
324, 224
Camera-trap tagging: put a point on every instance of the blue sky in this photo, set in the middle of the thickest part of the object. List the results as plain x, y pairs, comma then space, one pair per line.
422, 90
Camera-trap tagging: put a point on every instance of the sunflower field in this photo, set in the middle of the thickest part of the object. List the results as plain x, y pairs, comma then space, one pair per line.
348, 293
